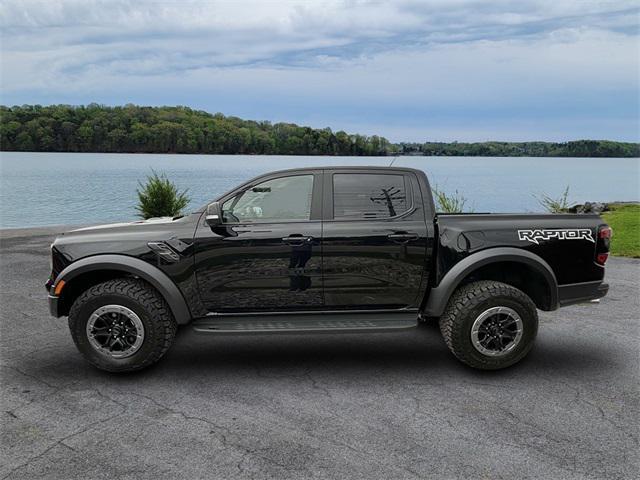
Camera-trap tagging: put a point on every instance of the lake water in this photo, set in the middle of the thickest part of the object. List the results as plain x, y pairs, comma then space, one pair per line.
38, 189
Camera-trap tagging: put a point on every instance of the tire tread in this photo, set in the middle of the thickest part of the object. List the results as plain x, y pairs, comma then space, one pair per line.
154, 305
461, 302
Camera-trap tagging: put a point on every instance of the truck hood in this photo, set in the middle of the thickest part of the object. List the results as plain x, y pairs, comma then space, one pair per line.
112, 226
128, 238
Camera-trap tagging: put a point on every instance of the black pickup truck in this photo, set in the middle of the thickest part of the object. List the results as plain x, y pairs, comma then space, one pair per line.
337, 249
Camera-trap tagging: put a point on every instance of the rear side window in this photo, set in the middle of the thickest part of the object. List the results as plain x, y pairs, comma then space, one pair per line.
364, 195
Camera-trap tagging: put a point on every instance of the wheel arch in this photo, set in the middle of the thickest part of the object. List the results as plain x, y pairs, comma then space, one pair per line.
89, 271
519, 268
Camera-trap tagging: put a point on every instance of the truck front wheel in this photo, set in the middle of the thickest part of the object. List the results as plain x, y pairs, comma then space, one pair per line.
489, 325
122, 325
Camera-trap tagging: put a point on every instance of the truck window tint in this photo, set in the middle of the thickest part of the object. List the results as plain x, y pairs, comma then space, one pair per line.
368, 195
285, 198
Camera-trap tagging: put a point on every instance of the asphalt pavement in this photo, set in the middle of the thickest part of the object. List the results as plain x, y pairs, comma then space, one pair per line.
357, 406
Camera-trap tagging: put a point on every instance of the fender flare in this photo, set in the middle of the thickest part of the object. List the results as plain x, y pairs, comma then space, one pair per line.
156, 277
439, 296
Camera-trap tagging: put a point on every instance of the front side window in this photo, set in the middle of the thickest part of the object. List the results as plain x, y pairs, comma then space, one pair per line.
285, 198
367, 196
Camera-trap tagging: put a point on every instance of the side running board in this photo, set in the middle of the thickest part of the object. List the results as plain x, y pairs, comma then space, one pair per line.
302, 323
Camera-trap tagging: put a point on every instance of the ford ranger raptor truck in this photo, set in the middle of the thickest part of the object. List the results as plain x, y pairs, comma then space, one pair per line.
338, 249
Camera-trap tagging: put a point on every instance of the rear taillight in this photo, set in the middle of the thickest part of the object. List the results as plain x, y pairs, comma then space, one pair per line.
605, 231
603, 244
601, 258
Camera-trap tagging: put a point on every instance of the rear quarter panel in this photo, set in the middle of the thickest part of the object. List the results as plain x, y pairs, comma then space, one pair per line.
571, 259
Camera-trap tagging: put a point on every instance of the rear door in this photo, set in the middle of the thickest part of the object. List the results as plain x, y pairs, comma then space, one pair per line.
374, 239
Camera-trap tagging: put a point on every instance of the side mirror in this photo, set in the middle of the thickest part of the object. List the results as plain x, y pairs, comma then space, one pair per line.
213, 217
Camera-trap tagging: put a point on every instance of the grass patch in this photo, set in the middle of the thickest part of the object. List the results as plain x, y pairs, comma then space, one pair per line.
624, 219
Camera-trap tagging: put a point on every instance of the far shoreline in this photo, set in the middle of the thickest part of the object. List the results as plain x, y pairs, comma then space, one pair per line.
390, 156
179, 129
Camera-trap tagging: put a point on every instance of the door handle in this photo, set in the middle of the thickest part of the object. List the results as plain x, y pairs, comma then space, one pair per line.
402, 237
296, 240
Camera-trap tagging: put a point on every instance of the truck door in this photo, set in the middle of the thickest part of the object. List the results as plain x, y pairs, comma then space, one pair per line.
265, 257
374, 240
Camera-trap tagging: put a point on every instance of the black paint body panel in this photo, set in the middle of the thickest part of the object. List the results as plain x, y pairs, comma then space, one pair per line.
572, 261
363, 268
249, 268
131, 240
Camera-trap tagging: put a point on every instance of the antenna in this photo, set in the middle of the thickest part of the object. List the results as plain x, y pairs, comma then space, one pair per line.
394, 159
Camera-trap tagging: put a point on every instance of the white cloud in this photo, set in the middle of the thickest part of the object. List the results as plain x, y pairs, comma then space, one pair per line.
193, 34
425, 58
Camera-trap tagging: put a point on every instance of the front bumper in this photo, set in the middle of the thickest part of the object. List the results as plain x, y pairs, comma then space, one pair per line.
581, 292
53, 305
52, 298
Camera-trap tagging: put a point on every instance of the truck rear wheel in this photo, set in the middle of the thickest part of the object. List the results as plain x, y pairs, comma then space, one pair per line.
489, 325
122, 325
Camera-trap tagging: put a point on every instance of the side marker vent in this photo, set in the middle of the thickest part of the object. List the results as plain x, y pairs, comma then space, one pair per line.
163, 251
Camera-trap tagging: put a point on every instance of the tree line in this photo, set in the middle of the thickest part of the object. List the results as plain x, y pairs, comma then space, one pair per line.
577, 148
136, 129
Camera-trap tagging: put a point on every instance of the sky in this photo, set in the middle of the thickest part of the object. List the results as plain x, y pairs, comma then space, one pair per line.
431, 70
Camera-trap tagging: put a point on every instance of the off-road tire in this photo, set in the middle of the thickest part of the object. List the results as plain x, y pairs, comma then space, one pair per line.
159, 325
467, 304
